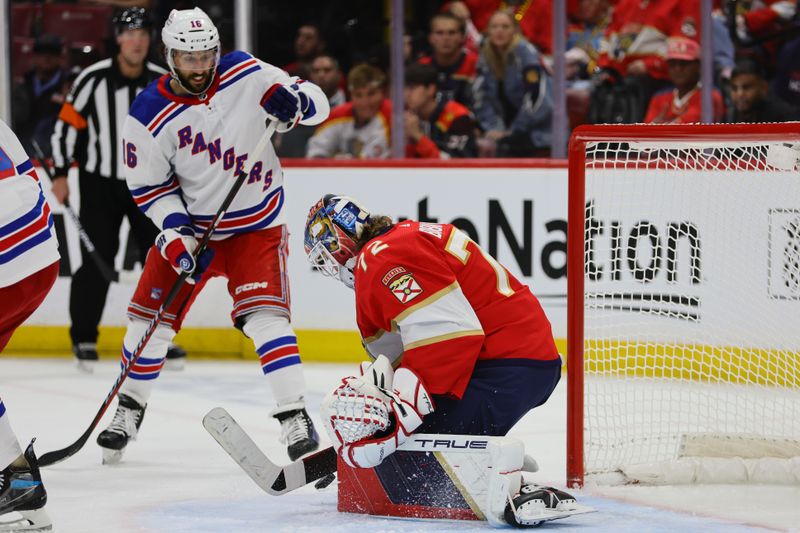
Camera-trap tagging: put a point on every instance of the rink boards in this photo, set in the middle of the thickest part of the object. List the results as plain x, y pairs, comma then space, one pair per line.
518, 213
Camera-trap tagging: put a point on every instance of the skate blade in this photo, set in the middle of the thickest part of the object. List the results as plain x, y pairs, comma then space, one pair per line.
112, 457
85, 366
534, 512
36, 520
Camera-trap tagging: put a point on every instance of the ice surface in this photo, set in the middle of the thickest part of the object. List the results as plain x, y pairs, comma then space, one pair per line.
175, 478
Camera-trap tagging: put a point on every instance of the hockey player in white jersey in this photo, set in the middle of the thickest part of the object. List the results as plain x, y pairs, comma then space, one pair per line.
28, 268
186, 138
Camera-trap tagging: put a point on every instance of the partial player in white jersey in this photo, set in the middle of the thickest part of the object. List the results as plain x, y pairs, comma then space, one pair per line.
28, 268
186, 138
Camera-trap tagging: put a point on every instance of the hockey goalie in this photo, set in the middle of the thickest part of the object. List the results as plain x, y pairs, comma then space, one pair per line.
465, 352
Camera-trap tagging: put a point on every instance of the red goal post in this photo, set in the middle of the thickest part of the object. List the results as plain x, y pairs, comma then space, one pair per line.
663, 221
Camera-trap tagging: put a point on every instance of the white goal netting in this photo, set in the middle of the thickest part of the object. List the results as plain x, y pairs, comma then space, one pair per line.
692, 309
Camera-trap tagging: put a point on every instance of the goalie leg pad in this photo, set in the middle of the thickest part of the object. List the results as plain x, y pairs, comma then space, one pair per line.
457, 477
408, 485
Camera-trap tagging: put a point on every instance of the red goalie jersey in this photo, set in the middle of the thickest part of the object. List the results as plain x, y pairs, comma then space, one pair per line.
429, 297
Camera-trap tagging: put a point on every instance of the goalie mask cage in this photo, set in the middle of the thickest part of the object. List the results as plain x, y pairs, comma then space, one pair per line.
684, 304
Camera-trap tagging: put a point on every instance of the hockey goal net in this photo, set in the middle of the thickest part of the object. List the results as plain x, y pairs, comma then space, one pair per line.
684, 304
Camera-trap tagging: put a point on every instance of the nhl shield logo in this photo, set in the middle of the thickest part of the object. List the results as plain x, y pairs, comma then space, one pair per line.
405, 288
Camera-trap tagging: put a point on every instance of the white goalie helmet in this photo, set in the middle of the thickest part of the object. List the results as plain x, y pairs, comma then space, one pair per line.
190, 30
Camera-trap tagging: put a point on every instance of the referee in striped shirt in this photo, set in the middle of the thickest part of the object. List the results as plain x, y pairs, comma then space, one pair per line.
88, 131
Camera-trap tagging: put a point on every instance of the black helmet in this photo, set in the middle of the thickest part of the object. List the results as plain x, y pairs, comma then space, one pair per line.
132, 18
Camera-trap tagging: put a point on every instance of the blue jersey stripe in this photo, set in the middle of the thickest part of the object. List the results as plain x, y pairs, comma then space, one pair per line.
32, 242
145, 207
147, 188
22, 168
265, 223
149, 104
244, 212
231, 60
25, 219
239, 76
174, 114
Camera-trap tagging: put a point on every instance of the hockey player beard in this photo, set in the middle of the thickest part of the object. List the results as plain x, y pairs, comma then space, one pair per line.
196, 82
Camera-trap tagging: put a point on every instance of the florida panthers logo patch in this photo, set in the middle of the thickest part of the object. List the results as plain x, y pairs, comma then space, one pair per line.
405, 288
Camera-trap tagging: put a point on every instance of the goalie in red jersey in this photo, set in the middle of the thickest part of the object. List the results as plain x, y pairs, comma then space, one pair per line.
472, 349
460, 347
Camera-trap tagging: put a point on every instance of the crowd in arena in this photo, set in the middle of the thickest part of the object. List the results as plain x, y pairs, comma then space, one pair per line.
479, 73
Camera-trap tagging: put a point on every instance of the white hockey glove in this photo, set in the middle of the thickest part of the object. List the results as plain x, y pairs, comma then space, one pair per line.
177, 246
367, 423
358, 408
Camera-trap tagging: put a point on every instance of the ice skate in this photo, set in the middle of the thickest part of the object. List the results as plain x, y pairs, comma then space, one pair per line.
123, 427
85, 356
536, 504
297, 430
176, 358
23, 497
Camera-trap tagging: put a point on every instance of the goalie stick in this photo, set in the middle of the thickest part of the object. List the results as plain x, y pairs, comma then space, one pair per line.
105, 269
59, 455
273, 479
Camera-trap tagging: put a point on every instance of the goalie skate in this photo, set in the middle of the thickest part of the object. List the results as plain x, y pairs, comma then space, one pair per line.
536, 505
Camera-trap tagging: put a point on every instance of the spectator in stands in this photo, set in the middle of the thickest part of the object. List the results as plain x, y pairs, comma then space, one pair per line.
455, 65
786, 83
513, 93
584, 36
38, 98
632, 61
750, 99
681, 105
308, 44
435, 127
326, 74
472, 37
586, 29
360, 128
722, 46
533, 16
764, 18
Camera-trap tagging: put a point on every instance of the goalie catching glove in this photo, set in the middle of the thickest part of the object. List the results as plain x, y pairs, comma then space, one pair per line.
177, 246
369, 417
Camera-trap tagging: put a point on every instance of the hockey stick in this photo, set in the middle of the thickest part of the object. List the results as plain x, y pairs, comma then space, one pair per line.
277, 480
273, 479
59, 455
108, 273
